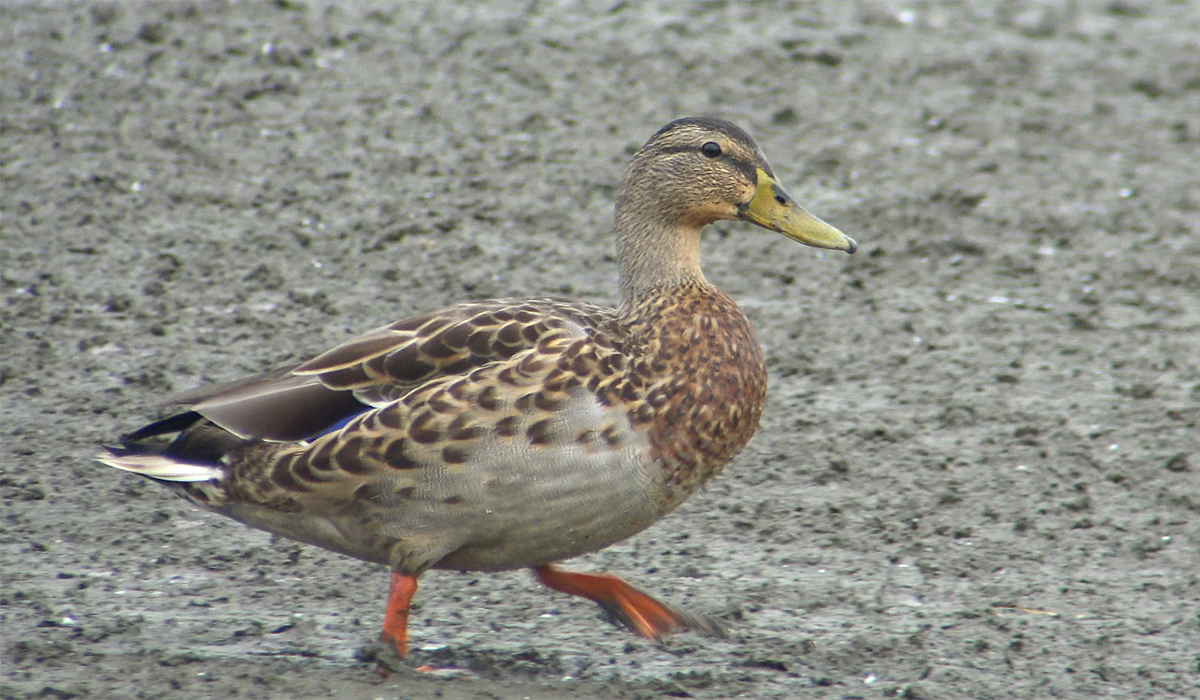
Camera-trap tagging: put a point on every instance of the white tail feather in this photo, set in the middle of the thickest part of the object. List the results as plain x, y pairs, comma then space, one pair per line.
160, 467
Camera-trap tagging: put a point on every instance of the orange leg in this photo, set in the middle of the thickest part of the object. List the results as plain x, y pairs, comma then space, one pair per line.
632, 608
395, 620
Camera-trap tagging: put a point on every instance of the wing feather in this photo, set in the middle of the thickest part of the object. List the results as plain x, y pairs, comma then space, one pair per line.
387, 363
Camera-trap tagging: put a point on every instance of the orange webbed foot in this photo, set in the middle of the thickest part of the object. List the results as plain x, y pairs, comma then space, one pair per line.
629, 606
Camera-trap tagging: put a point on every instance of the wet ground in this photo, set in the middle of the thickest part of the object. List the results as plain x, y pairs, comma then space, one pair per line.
978, 473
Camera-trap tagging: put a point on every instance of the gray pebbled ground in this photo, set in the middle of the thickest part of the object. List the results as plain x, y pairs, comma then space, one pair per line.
977, 474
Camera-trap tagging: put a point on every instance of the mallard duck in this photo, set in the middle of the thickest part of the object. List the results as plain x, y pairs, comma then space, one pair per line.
512, 433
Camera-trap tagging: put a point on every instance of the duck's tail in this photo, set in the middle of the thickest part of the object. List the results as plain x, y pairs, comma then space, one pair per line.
195, 453
159, 467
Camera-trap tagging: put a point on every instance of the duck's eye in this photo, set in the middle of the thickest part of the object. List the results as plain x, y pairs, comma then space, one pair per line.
711, 149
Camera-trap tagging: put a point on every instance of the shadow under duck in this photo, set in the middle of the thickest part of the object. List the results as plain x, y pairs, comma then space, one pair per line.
511, 433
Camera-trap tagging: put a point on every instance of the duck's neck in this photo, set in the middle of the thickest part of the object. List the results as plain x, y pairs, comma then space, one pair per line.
655, 257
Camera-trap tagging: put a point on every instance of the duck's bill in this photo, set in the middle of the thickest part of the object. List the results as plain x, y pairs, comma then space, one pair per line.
774, 209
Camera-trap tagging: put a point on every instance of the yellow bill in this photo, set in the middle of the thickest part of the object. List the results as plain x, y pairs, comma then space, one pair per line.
773, 208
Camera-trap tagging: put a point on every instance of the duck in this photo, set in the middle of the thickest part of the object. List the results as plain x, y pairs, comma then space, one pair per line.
510, 433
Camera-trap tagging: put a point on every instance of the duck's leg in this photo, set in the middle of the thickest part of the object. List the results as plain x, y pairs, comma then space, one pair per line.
629, 606
395, 620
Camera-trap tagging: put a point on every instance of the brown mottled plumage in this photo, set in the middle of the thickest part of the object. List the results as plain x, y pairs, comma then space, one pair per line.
511, 433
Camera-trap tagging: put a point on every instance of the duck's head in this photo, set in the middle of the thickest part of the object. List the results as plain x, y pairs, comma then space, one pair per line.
695, 171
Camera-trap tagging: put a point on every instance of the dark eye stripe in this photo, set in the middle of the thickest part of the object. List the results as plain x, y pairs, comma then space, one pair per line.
750, 170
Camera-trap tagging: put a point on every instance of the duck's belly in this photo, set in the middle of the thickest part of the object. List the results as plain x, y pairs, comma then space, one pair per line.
529, 515
558, 519
509, 517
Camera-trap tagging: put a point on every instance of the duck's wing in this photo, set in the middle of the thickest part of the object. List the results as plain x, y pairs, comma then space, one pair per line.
526, 460
383, 365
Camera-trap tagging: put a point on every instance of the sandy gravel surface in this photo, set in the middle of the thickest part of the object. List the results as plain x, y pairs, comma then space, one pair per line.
978, 474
